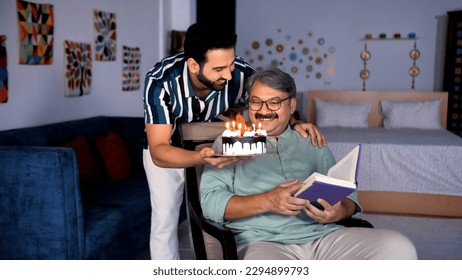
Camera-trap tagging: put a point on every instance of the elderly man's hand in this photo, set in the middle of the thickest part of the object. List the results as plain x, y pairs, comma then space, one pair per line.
281, 200
331, 213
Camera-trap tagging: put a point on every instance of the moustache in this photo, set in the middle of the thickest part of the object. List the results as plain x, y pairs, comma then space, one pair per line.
266, 116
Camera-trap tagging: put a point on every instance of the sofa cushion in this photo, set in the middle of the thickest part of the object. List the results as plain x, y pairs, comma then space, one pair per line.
114, 153
88, 167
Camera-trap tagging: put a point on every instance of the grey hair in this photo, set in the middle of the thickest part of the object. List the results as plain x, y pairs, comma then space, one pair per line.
275, 78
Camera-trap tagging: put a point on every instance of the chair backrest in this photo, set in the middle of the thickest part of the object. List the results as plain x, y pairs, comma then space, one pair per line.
196, 136
212, 245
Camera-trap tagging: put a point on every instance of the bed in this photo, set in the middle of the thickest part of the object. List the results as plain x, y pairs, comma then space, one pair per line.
410, 163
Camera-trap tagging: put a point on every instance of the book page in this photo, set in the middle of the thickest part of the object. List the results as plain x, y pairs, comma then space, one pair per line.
346, 168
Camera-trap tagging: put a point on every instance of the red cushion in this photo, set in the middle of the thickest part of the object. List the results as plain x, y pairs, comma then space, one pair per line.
115, 155
88, 167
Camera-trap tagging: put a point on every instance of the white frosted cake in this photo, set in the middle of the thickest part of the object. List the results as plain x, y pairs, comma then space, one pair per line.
239, 140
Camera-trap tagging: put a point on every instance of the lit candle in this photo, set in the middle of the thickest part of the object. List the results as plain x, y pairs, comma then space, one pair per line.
227, 125
234, 125
253, 125
259, 126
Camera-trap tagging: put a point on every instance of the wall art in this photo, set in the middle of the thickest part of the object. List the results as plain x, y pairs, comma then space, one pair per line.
3, 71
36, 29
365, 54
77, 68
131, 61
364, 73
305, 56
105, 35
414, 71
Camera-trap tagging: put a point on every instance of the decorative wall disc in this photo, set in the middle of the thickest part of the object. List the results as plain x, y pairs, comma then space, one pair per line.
330, 71
365, 55
364, 74
279, 48
318, 60
414, 54
414, 71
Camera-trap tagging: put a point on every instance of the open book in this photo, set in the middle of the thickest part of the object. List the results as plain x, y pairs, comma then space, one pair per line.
340, 181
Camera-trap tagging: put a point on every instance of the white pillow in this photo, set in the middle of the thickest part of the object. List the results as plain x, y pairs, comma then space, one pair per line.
412, 114
328, 113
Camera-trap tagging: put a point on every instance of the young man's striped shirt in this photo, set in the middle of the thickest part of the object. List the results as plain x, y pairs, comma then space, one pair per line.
170, 99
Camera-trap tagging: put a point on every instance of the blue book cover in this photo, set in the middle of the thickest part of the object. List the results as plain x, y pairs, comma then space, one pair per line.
339, 183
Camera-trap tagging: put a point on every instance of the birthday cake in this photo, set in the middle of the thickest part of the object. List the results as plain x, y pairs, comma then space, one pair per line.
240, 140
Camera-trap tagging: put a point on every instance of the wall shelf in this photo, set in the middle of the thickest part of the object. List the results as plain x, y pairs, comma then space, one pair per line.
390, 39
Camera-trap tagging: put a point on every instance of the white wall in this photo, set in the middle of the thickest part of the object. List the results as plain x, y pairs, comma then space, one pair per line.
36, 93
183, 13
342, 24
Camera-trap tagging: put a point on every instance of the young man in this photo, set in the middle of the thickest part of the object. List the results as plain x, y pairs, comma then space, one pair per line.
254, 198
195, 86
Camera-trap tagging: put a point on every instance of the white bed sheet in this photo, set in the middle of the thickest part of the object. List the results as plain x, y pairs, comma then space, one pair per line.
405, 160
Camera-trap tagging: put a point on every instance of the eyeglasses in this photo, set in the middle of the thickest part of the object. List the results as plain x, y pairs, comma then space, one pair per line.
272, 104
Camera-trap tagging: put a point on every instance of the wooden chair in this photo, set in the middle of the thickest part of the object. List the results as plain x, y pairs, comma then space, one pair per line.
212, 240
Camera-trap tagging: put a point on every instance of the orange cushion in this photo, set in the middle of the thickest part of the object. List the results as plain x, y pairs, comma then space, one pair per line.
115, 155
88, 167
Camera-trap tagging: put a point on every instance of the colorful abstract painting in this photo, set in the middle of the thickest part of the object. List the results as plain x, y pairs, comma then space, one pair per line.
77, 68
3, 71
36, 28
131, 68
105, 36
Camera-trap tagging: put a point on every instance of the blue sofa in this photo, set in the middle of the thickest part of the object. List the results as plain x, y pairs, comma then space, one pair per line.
48, 211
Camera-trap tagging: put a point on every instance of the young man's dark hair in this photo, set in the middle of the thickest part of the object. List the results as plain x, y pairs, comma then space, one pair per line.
199, 39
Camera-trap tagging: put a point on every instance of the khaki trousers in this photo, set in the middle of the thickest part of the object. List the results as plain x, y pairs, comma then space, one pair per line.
342, 244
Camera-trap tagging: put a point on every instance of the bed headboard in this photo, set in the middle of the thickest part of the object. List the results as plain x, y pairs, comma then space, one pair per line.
374, 97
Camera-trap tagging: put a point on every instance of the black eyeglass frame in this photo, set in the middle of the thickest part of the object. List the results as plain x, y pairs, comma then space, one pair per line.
266, 103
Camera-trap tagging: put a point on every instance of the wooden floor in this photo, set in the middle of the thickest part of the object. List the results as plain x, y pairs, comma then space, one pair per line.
186, 251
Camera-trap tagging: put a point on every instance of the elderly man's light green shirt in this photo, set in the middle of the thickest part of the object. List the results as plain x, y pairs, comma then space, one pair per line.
289, 157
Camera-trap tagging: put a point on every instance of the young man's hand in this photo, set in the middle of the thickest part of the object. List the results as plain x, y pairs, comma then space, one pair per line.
209, 156
309, 129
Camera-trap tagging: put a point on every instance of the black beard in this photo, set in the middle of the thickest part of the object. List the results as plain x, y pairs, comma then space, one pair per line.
267, 116
208, 83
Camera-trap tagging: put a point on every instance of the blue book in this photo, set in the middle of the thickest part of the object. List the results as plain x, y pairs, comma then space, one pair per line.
339, 182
